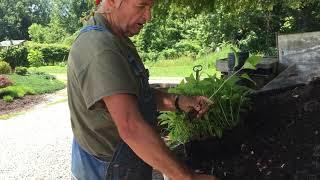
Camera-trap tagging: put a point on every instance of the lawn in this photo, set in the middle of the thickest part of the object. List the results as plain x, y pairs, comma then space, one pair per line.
180, 67
39, 83
31, 84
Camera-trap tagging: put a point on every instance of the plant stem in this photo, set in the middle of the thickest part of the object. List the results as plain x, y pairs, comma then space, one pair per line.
224, 83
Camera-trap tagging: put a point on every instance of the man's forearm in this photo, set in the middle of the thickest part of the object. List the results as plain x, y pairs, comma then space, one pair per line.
147, 144
141, 137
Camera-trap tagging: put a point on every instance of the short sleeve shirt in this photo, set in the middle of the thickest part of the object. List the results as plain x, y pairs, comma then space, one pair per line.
97, 67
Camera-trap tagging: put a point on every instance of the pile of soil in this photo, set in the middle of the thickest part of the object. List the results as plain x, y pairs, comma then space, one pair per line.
279, 140
20, 104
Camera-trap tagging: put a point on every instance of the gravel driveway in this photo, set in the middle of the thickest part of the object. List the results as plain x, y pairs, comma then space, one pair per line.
37, 144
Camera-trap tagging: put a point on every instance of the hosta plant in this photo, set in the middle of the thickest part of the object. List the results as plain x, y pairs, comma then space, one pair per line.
230, 101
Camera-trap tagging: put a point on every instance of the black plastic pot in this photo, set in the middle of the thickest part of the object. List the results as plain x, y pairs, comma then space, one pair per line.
242, 57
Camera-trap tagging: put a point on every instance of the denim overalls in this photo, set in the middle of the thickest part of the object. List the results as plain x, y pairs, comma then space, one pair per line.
125, 164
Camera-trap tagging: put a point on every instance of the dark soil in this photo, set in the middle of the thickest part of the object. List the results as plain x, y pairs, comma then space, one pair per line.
20, 104
280, 140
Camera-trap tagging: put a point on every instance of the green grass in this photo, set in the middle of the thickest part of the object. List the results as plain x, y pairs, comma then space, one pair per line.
36, 83
183, 66
180, 67
49, 69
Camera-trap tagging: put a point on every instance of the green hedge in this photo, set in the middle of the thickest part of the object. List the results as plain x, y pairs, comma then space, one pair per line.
15, 56
52, 53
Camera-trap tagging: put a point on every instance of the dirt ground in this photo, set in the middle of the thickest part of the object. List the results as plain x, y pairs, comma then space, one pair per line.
20, 104
279, 140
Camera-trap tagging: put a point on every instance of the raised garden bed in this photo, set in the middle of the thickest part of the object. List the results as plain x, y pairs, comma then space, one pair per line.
279, 140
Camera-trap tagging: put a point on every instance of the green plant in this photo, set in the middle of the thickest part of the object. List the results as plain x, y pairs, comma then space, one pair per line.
35, 58
4, 67
52, 53
21, 71
45, 75
8, 99
62, 64
36, 84
15, 56
16, 91
230, 101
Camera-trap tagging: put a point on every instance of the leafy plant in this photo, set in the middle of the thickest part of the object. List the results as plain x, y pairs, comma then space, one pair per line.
4, 67
35, 58
45, 75
15, 56
16, 91
21, 71
229, 99
8, 99
5, 81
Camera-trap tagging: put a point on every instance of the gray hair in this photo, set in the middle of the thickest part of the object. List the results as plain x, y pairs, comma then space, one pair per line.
101, 7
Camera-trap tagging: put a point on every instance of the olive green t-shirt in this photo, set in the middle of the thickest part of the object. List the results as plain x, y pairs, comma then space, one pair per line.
98, 67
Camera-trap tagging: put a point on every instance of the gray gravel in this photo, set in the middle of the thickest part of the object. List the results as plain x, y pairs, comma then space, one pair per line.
37, 144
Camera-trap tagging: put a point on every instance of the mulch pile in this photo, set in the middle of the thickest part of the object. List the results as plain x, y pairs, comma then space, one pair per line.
279, 140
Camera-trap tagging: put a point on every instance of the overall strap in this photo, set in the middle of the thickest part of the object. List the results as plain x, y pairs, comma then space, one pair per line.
93, 28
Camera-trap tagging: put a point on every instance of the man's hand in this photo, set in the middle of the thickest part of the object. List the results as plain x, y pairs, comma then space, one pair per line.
195, 106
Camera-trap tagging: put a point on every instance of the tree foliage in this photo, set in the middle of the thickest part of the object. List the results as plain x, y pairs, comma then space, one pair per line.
178, 28
18, 15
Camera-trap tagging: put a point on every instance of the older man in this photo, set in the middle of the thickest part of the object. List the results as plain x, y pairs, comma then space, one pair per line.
113, 109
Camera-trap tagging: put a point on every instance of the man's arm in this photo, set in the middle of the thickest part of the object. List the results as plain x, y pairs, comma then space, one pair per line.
165, 101
142, 138
197, 104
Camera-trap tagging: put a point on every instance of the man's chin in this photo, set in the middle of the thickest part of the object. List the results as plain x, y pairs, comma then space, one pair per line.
130, 34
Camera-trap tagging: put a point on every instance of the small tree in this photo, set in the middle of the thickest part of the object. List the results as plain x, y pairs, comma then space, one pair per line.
35, 58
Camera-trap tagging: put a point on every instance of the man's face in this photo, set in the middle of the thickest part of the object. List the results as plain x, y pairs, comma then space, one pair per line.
132, 15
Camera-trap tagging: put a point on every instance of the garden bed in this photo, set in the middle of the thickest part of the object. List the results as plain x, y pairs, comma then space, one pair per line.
20, 104
279, 140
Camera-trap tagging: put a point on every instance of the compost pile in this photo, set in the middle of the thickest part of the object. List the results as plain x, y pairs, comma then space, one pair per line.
279, 140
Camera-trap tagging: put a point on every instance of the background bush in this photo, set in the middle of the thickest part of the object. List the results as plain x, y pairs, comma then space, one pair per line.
21, 71
5, 81
15, 56
52, 53
4, 67
35, 58
8, 99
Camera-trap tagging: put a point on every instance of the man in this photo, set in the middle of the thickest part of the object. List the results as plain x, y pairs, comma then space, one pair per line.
113, 109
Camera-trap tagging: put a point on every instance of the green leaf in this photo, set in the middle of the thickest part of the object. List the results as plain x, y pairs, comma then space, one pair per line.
191, 79
252, 62
246, 76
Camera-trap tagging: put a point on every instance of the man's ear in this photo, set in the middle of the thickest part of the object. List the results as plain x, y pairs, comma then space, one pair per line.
114, 4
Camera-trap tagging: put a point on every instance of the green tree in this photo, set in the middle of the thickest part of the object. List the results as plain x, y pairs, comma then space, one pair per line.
35, 58
18, 15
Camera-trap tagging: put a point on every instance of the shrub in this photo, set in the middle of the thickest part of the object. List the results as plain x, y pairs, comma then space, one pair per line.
45, 75
62, 64
52, 53
8, 99
4, 67
16, 91
15, 56
5, 82
21, 71
35, 58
